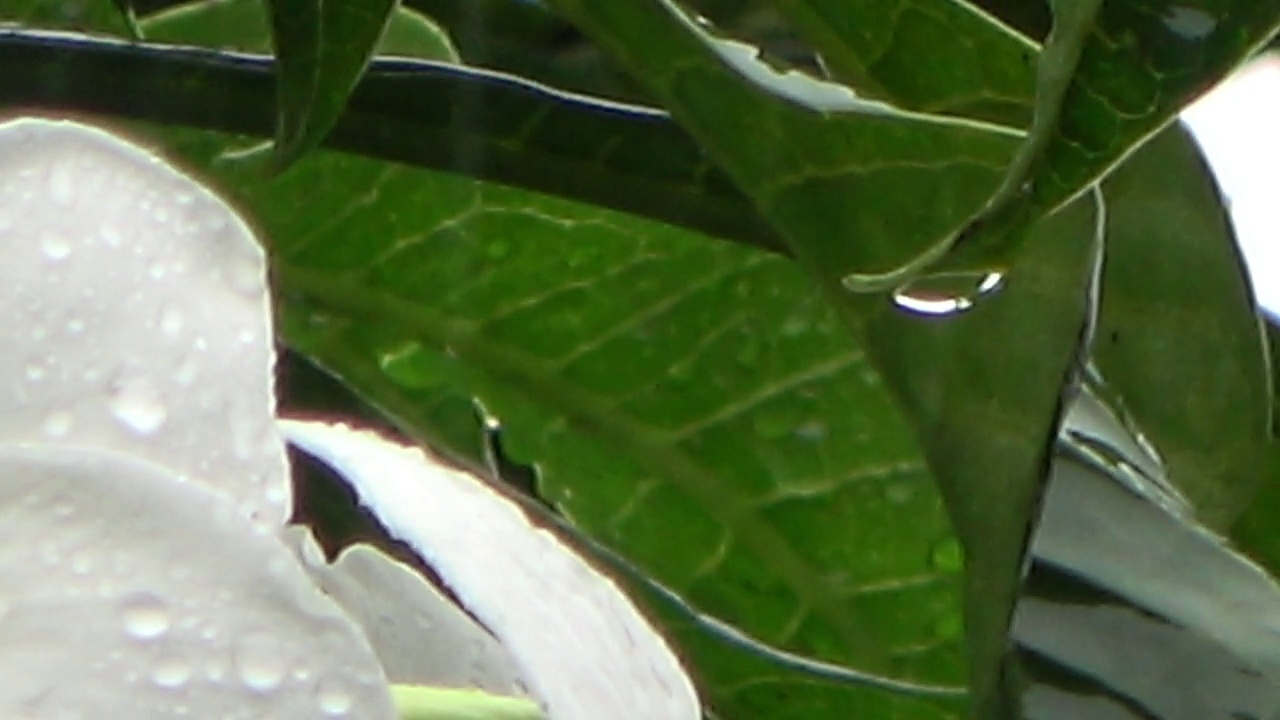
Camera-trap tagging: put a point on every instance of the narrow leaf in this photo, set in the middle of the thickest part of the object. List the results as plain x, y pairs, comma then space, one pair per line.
322, 49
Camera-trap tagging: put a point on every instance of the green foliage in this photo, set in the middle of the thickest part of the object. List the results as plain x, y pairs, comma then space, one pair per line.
689, 316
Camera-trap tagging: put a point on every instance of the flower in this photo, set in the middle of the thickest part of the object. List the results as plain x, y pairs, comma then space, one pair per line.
146, 569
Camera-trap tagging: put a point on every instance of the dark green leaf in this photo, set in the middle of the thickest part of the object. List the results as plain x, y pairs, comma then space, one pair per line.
442, 116
1178, 338
943, 57
1141, 62
983, 390
322, 48
693, 405
861, 187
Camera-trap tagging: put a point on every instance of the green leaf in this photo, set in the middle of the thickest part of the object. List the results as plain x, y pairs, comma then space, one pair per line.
322, 47
1178, 339
244, 25
947, 58
693, 405
1139, 64
861, 188
508, 130
982, 389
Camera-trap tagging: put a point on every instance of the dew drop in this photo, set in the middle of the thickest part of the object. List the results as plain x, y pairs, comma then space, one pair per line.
34, 371
145, 616
946, 556
170, 672
171, 321
138, 404
258, 663
56, 246
58, 424
247, 278
946, 293
110, 236
334, 698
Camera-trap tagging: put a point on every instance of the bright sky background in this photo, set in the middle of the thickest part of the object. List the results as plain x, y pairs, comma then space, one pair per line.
1238, 126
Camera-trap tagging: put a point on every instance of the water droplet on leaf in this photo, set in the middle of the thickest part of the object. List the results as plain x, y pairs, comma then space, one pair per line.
946, 556
946, 293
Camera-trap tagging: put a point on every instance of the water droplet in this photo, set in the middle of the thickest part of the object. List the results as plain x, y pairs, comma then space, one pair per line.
812, 431
1189, 23
334, 698
75, 326
946, 556
58, 424
258, 663
946, 293
110, 236
413, 367
56, 246
62, 186
158, 269
899, 492
138, 404
171, 321
949, 627
771, 423
171, 672
497, 250
145, 616
34, 371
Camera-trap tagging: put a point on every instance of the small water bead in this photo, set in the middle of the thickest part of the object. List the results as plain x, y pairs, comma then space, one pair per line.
947, 556
55, 246
171, 321
145, 616
945, 294
259, 664
171, 672
334, 697
139, 405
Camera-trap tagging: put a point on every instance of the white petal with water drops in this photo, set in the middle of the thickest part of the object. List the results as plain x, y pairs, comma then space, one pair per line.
153, 364
420, 636
583, 648
127, 593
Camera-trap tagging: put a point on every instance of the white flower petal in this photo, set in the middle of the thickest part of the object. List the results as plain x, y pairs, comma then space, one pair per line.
126, 593
583, 648
134, 313
420, 636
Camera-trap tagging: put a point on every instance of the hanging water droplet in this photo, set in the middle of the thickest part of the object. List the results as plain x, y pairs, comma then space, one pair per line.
145, 616
170, 672
946, 293
1189, 23
58, 424
947, 556
259, 664
138, 404
334, 697
55, 246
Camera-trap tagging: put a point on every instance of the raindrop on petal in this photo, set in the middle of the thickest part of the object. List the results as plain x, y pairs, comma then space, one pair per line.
145, 616
258, 663
137, 403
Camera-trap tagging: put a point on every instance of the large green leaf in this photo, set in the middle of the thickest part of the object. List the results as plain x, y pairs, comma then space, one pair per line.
1179, 339
941, 57
442, 116
322, 47
983, 389
691, 404
863, 188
